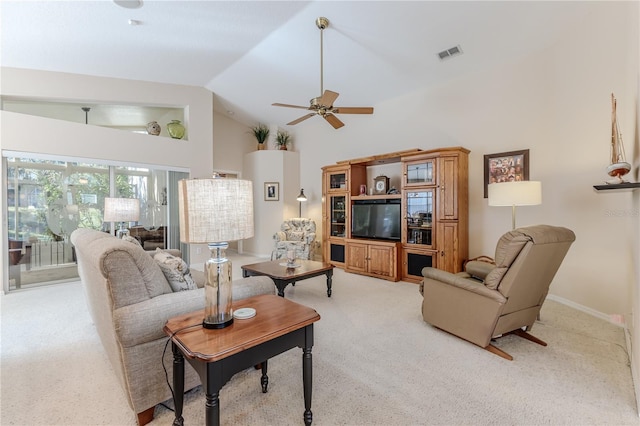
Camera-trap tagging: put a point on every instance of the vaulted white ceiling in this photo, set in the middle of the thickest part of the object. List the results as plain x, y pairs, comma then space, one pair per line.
254, 53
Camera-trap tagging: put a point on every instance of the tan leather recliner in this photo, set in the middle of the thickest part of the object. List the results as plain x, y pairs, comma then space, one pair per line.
490, 300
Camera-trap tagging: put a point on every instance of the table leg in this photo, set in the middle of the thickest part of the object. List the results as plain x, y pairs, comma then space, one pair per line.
307, 384
281, 284
178, 384
212, 409
264, 380
329, 281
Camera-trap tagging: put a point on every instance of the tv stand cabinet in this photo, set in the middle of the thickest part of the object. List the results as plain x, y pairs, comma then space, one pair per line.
372, 257
433, 186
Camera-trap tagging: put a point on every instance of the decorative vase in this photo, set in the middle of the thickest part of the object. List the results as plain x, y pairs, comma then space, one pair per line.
175, 129
153, 128
283, 147
260, 146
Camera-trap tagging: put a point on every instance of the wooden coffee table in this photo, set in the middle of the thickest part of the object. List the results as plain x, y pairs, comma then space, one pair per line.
217, 355
283, 276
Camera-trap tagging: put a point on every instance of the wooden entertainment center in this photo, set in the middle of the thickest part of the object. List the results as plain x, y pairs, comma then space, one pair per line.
434, 202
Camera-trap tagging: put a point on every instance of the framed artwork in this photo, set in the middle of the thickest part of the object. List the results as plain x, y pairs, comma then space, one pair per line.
505, 167
271, 191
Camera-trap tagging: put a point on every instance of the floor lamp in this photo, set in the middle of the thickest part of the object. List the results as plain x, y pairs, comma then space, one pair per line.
121, 210
522, 193
301, 198
214, 212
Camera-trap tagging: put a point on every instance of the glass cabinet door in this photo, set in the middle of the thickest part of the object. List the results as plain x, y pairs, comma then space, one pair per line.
337, 181
338, 215
419, 219
420, 172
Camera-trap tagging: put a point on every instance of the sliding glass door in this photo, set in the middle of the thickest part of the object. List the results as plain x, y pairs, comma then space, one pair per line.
47, 199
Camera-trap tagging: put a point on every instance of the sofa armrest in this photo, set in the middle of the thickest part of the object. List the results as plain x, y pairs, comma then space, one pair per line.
143, 322
279, 236
479, 269
310, 238
462, 283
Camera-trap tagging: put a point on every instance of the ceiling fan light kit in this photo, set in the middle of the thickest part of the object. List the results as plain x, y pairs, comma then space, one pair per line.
323, 105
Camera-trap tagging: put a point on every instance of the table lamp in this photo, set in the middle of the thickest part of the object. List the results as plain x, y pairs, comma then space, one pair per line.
521, 193
121, 210
213, 212
301, 198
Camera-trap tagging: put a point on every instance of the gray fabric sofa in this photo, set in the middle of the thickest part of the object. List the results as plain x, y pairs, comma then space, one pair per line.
129, 301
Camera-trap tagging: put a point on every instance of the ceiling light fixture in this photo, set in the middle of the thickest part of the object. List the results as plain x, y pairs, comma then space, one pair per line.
129, 4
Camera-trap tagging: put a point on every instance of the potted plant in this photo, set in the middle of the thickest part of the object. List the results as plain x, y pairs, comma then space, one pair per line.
282, 139
261, 132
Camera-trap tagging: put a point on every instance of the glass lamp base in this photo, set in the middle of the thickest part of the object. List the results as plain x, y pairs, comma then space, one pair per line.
217, 325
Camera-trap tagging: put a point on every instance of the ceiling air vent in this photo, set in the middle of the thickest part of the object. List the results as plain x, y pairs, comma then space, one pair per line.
454, 51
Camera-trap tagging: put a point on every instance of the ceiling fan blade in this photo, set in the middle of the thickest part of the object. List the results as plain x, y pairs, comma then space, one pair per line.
328, 97
333, 120
304, 117
353, 110
290, 106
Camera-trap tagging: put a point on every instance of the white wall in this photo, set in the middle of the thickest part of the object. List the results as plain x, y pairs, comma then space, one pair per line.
278, 166
556, 103
231, 141
22, 132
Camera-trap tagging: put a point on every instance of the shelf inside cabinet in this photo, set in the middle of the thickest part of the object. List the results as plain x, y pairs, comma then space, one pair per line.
377, 197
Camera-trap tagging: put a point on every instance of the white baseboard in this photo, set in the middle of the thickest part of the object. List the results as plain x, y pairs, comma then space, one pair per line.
584, 309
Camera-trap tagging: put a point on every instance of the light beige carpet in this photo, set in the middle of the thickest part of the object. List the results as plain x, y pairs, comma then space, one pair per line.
375, 362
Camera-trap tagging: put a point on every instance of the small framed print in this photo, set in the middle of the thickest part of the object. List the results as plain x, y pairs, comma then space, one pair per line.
505, 167
271, 191
380, 185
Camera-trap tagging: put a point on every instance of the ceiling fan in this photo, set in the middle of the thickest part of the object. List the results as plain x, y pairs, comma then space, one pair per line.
323, 104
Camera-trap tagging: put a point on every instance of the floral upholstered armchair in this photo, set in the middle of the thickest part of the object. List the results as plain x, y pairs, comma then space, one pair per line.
298, 234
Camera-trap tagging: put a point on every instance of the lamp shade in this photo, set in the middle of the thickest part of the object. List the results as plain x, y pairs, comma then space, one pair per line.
121, 209
215, 210
522, 193
301, 196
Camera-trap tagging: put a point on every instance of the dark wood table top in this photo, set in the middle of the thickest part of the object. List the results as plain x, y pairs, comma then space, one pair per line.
274, 269
275, 317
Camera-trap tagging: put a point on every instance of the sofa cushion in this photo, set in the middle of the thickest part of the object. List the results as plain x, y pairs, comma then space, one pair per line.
175, 270
295, 236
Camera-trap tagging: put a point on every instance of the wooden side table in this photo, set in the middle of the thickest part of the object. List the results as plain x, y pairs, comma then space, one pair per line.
217, 355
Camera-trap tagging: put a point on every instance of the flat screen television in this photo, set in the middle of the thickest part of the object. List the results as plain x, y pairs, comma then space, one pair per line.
379, 219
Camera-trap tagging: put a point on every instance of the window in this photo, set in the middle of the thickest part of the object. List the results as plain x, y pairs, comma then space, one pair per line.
47, 199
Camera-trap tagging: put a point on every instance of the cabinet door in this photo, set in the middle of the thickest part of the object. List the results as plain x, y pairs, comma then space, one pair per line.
337, 180
419, 173
418, 218
413, 260
448, 247
356, 257
381, 260
338, 215
448, 183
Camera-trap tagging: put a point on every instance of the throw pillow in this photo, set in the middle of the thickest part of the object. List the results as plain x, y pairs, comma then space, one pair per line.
131, 239
176, 270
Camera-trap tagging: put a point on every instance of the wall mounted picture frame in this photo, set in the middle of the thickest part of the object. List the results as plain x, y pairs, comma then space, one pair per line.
271, 191
505, 167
